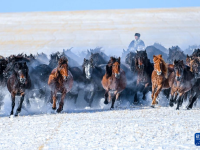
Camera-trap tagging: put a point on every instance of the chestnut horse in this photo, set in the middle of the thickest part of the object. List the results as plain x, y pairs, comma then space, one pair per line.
159, 77
18, 83
60, 80
114, 81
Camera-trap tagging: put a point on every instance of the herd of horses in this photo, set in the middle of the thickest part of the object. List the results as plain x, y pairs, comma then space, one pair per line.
30, 76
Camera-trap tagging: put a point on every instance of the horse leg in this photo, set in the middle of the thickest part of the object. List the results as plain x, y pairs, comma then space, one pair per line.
171, 103
91, 98
61, 102
153, 91
86, 96
54, 101
13, 102
27, 99
113, 102
181, 102
135, 98
158, 89
20, 104
106, 98
51, 98
191, 102
178, 101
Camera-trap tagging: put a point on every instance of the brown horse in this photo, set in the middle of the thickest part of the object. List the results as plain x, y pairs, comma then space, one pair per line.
160, 76
60, 80
114, 81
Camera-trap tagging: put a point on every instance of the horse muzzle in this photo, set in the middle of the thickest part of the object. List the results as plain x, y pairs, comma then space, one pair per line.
117, 75
141, 66
22, 80
88, 76
197, 75
178, 78
65, 78
159, 73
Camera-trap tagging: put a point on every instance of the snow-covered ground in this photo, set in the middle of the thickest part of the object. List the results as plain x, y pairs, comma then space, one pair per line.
80, 127
133, 128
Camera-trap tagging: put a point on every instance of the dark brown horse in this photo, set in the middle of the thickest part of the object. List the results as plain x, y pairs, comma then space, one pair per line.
144, 69
60, 80
194, 64
180, 81
114, 81
18, 83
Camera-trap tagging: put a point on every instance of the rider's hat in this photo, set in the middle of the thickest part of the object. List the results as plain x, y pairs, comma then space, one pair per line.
137, 34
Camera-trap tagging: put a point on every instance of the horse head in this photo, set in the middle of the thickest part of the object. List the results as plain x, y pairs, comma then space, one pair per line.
141, 59
116, 68
63, 67
179, 69
195, 67
88, 67
21, 70
130, 60
160, 65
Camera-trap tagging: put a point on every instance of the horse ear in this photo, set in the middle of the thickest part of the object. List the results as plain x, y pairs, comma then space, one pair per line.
84, 60
119, 59
136, 50
182, 62
175, 61
160, 56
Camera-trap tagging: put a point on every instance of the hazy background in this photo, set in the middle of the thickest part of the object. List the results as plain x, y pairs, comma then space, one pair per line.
46, 26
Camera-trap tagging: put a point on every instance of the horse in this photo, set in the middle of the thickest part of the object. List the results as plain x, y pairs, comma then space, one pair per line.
144, 69
130, 60
18, 83
3, 65
60, 80
93, 76
159, 77
114, 81
152, 50
194, 92
181, 80
175, 53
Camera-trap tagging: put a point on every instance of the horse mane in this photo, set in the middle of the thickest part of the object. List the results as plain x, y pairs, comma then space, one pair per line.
62, 60
164, 65
109, 65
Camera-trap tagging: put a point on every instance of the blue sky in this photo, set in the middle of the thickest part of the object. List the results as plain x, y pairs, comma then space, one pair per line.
69, 5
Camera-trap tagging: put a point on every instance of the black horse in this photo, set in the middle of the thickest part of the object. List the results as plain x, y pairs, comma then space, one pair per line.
93, 76
18, 83
144, 69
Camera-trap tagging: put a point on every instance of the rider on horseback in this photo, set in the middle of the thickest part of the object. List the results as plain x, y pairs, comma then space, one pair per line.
136, 44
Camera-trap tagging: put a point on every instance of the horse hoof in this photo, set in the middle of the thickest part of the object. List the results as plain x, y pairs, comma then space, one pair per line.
177, 108
171, 104
17, 113
153, 106
54, 108
188, 108
144, 98
59, 110
111, 108
106, 102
